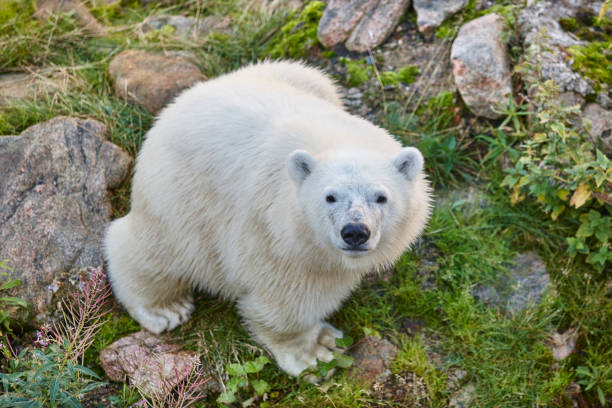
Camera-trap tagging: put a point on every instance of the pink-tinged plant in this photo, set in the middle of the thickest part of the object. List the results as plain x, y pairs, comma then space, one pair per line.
48, 375
83, 311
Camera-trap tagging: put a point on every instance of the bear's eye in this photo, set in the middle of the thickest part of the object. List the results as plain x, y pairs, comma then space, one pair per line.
330, 198
381, 199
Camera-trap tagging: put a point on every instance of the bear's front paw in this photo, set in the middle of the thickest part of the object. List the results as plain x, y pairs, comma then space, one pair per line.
159, 319
303, 352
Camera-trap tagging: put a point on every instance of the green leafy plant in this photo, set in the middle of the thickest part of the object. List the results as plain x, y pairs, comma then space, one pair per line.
242, 382
595, 377
340, 359
298, 36
571, 179
8, 304
358, 71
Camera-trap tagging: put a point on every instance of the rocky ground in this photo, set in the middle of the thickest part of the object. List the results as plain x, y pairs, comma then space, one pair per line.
486, 310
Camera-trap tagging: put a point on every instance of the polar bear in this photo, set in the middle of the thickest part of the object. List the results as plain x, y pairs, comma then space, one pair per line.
258, 187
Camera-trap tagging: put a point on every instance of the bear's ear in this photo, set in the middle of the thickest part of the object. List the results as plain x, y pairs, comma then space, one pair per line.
409, 162
301, 165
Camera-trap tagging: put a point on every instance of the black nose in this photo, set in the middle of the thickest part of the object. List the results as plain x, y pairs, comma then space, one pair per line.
355, 234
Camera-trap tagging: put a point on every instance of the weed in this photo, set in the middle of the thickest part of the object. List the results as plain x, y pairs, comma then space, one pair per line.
8, 304
50, 375
241, 383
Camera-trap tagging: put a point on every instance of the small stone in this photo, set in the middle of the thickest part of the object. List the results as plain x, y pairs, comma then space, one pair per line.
186, 26
372, 360
54, 204
525, 286
413, 326
563, 344
152, 80
455, 377
462, 398
150, 364
375, 26
340, 18
19, 86
529, 280
570, 98
432, 13
487, 295
407, 390
601, 125
480, 65
46, 8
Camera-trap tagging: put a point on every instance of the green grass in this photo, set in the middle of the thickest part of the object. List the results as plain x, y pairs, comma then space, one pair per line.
469, 241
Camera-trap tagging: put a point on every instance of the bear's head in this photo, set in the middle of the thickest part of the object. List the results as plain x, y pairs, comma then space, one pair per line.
358, 203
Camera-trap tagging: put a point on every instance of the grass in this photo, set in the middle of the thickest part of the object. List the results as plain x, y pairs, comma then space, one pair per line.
470, 239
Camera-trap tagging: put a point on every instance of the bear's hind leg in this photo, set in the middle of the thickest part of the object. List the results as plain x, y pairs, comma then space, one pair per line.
157, 300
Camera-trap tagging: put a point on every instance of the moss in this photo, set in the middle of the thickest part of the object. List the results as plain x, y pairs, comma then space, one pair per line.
594, 61
297, 37
449, 28
358, 71
586, 26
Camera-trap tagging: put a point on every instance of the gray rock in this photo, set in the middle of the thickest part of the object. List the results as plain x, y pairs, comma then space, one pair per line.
152, 80
486, 294
480, 65
529, 281
525, 286
545, 44
376, 25
187, 26
340, 18
462, 398
431, 56
454, 378
54, 205
373, 358
601, 125
432, 13
150, 364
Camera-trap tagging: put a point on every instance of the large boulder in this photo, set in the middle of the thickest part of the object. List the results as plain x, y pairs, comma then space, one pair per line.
363, 24
481, 65
54, 204
152, 80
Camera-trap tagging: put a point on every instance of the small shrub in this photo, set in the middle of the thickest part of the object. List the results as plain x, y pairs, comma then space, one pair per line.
572, 180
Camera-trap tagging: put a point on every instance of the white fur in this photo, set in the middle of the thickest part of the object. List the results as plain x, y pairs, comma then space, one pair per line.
222, 202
